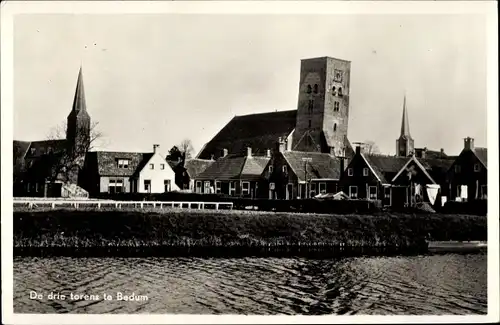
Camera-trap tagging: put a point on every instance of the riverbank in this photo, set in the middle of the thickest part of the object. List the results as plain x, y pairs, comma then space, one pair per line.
170, 231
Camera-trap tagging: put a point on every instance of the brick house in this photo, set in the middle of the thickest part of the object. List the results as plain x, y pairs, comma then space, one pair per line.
298, 174
469, 173
234, 175
128, 172
370, 177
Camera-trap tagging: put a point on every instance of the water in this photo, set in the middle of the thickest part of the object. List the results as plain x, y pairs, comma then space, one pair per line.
439, 284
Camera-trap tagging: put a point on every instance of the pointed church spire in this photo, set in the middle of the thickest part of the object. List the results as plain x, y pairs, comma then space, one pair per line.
79, 100
405, 125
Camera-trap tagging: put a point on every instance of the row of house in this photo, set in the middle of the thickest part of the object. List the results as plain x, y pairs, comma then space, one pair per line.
279, 155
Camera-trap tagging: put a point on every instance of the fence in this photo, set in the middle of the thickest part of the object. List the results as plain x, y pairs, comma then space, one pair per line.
123, 204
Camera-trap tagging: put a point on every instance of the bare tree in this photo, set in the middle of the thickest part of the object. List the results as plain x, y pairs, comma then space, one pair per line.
68, 157
186, 147
371, 148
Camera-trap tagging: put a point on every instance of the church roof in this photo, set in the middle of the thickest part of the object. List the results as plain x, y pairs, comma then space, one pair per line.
405, 124
258, 131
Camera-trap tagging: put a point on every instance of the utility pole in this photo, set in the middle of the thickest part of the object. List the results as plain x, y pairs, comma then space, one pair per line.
305, 160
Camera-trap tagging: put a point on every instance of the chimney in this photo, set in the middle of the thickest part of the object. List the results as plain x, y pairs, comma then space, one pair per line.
358, 149
282, 144
249, 152
469, 143
212, 157
442, 153
268, 153
155, 147
224, 152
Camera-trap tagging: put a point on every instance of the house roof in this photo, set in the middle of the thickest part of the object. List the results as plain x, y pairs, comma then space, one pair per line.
322, 165
385, 167
39, 148
235, 167
437, 168
20, 149
195, 166
258, 131
482, 155
107, 162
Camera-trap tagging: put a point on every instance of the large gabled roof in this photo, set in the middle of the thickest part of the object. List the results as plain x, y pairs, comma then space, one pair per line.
107, 162
258, 131
320, 166
196, 166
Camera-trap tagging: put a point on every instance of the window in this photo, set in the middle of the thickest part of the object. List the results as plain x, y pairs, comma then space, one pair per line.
162, 166
322, 187
206, 188
312, 191
372, 192
350, 172
218, 188
232, 188
353, 192
36, 187
457, 168
198, 187
166, 185
245, 188
151, 166
309, 123
119, 186
147, 185
365, 171
316, 88
336, 106
334, 127
284, 168
387, 192
340, 91
334, 91
270, 169
309, 89
33, 150
459, 190
310, 106
477, 168
122, 163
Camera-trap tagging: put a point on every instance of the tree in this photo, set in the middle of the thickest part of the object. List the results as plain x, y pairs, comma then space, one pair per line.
370, 147
186, 148
181, 152
67, 159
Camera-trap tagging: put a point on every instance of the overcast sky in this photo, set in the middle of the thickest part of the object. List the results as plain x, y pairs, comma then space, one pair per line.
162, 78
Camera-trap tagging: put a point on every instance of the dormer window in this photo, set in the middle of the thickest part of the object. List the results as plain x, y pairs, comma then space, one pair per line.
350, 172
316, 88
340, 91
33, 150
123, 163
309, 89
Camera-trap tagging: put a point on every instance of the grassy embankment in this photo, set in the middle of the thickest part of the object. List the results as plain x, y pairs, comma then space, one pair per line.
171, 229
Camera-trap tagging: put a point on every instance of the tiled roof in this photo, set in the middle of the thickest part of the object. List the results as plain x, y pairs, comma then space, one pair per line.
385, 167
195, 166
258, 131
235, 167
437, 168
107, 162
39, 148
482, 155
322, 165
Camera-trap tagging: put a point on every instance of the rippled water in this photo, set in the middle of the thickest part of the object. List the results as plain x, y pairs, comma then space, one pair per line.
440, 284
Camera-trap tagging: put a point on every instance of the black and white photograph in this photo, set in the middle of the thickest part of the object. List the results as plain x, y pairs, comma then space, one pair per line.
284, 159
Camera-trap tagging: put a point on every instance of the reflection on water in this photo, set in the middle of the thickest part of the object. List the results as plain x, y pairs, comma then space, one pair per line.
441, 284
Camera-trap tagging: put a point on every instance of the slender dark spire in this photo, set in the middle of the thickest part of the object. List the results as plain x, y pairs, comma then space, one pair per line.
79, 100
405, 125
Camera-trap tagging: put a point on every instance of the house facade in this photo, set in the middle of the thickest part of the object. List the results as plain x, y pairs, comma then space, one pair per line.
187, 171
234, 175
468, 175
128, 172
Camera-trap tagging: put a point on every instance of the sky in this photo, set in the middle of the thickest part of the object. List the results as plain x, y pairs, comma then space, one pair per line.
161, 78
